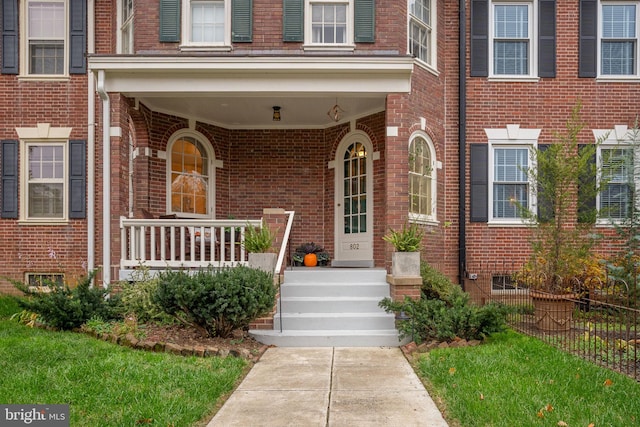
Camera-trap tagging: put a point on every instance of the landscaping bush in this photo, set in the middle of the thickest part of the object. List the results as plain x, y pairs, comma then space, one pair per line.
216, 301
138, 298
65, 308
444, 312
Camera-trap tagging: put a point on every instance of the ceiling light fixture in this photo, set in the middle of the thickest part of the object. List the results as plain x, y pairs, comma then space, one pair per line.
276, 113
335, 112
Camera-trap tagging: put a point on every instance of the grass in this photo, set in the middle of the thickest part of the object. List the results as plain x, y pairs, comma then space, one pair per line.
515, 380
106, 384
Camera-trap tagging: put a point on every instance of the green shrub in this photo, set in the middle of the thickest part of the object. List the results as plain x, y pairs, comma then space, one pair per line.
432, 319
138, 297
444, 311
436, 285
216, 301
67, 308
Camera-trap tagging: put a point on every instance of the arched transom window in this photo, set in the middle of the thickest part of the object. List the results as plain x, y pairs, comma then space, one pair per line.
190, 177
422, 179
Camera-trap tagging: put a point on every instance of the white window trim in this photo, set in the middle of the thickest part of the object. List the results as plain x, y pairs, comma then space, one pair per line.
511, 137
121, 24
533, 41
43, 133
24, 45
622, 77
435, 165
618, 137
432, 63
349, 45
211, 167
188, 45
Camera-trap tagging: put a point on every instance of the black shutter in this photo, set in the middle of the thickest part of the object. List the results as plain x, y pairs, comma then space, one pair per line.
242, 21
77, 178
479, 38
479, 174
10, 39
547, 38
170, 21
546, 210
588, 46
9, 175
587, 185
365, 21
77, 36
293, 20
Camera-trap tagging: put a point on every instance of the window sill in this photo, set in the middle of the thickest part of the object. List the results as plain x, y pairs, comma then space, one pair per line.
618, 79
514, 223
424, 65
324, 48
195, 48
423, 220
523, 79
43, 77
43, 221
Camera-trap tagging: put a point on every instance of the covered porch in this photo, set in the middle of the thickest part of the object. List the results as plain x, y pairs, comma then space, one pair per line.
321, 153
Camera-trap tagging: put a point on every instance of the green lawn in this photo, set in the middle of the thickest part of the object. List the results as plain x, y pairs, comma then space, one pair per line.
105, 384
515, 380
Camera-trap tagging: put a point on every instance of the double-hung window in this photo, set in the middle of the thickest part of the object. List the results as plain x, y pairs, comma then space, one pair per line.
617, 179
329, 22
45, 37
510, 189
125, 12
512, 38
421, 34
206, 23
619, 39
422, 179
45, 172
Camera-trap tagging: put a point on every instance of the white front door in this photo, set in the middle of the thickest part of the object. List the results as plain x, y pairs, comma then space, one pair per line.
354, 202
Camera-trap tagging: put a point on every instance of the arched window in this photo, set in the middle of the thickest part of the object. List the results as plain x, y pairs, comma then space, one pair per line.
422, 179
190, 176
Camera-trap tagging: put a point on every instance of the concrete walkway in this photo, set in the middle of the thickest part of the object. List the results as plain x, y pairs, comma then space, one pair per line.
324, 386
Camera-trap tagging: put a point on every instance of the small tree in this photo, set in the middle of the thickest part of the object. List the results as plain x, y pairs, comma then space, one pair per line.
562, 237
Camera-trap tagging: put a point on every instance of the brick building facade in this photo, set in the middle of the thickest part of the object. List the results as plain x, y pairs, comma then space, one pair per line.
142, 82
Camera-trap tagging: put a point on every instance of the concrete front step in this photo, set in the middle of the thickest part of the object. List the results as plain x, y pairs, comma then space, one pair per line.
334, 321
329, 304
329, 338
332, 307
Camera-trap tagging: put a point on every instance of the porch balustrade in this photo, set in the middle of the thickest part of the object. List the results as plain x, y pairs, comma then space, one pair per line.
182, 243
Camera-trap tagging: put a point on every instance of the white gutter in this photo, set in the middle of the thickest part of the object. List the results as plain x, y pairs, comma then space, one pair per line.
91, 142
106, 181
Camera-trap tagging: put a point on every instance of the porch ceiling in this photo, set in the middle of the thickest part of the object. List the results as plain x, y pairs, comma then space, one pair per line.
240, 93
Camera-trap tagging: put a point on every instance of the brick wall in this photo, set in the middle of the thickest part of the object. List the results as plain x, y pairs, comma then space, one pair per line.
545, 104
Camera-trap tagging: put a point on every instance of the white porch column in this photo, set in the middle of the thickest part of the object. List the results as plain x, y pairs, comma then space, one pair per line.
106, 180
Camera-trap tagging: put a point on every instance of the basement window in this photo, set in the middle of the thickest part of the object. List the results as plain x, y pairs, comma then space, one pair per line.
41, 282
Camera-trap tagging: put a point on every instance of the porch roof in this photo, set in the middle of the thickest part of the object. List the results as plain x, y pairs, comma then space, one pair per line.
240, 92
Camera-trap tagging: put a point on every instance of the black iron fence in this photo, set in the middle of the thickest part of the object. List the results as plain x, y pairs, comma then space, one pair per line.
600, 322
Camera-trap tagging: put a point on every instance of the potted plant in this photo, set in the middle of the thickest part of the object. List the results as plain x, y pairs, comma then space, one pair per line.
407, 243
259, 243
561, 244
310, 254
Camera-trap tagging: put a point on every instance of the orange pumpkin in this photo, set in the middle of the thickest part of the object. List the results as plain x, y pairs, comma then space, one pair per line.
310, 260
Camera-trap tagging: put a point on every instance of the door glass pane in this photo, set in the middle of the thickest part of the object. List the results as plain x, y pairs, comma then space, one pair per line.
355, 189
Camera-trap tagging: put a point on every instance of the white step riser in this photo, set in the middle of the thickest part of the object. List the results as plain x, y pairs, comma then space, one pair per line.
363, 290
320, 321
329, 305
301, 339
328, 275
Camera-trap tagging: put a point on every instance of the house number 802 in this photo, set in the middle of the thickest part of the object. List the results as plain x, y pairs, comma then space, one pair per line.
354, 246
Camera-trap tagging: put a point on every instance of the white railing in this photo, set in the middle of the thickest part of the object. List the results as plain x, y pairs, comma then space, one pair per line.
182, 243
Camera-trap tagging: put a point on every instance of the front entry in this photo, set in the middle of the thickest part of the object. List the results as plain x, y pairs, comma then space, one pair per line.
354, 202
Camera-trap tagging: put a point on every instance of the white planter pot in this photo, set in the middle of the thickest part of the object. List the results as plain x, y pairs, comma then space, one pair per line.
405, 264
263, 261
